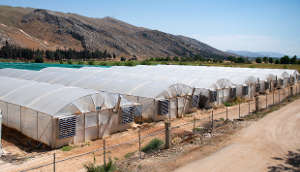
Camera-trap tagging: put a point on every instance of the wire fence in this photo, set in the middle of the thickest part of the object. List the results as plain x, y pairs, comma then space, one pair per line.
133, 143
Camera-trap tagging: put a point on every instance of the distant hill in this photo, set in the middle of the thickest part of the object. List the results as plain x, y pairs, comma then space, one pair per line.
44, 29
256, 54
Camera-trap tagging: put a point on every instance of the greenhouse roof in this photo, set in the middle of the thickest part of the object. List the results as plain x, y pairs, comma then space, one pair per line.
150, 81
53, 99
107, 81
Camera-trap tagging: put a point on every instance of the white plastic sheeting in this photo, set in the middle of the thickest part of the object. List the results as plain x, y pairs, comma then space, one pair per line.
147, 84
137, 89
33, 108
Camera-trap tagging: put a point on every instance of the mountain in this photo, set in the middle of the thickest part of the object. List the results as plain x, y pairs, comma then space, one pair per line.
256, 54
44, 29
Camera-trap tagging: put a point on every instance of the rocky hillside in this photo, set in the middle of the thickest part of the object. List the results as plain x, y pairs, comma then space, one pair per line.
44, 29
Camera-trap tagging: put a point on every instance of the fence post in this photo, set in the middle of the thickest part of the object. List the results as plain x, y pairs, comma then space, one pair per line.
279, 95
54, 162
140, 153
239, 110
226, 112
167, 134
249, 110
256, 104
104, 153
273, 96
212, 119
194, 125
266, 101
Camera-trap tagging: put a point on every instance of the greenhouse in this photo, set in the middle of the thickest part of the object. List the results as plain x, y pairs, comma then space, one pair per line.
166, 89
57, 115
159, 98
226, 81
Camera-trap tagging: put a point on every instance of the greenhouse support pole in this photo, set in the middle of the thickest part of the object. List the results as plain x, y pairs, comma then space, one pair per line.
1, 152
37, 125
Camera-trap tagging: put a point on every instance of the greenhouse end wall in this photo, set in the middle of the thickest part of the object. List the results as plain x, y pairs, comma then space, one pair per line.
45, 129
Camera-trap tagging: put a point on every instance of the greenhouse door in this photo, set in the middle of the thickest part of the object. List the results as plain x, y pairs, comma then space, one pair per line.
91, 126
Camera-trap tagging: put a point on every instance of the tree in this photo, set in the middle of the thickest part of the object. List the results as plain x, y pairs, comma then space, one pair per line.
285, 60
271, 60
258, 60
277, 61
240, 60
293, 60
265, 59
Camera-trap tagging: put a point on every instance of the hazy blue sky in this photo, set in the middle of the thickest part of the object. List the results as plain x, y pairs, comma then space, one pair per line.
254, 25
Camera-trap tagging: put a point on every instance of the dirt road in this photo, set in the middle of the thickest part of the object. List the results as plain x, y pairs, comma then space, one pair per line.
257, 147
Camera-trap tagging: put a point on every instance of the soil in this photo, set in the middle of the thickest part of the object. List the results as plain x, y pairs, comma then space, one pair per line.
257, 147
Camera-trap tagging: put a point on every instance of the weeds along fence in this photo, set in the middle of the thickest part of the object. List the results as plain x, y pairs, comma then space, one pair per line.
169, 131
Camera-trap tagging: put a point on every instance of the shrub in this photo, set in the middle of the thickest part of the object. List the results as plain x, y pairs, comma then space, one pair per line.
130, 154
109, 167
116, 64
129, 63
103, 63
81, 62
145, 62
39, 60
153, 145
91, 62
70, 61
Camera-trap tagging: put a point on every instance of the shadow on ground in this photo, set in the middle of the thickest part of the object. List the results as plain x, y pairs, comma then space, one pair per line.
291, 162
21, 147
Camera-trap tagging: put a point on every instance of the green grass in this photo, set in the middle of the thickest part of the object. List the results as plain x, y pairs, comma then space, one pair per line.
66, 148
154, 145
128, 155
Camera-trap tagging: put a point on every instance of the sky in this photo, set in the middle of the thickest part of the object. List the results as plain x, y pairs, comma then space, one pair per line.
251, 25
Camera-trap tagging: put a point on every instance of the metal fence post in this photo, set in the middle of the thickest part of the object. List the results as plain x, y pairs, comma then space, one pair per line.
54, 162
194, 125
212, 119
140, 153
279, 95
266, 101
167, 135
249, 110
239, 110
256, 104
273, 96
104, 153
226, 113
